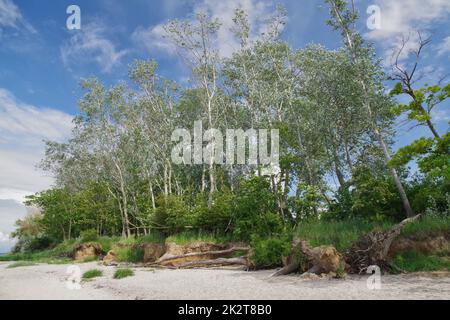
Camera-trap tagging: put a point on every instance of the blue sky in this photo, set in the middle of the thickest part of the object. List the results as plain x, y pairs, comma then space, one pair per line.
41, 63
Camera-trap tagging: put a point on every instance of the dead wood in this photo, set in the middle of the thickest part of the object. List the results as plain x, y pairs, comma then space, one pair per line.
373, 248
168, 258
216, 262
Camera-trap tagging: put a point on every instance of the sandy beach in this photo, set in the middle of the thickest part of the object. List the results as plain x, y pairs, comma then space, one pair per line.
50, 282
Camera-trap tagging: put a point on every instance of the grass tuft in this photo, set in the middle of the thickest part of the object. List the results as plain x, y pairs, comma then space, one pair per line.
123, 273
93, 273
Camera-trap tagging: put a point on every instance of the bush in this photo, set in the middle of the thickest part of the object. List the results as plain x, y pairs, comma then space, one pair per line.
33, 244
255, 208
268, 253
123, 273
88, 236
215, 218
93, 273
174, 213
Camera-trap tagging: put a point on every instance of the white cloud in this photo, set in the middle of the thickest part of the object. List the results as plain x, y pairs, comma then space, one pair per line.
18, 119
441, 116
402, 16
91, 44
5, 242
152, 38
23, 128
402, 19
10, 16
258, 11
444, 47
4, 237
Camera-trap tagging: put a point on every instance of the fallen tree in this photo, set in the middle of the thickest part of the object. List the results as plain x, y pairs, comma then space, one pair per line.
373, 248
318, 260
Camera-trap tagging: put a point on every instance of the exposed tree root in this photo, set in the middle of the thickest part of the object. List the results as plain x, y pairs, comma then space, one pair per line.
373, 248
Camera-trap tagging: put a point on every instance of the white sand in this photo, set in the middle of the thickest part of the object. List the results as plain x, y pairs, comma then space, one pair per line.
49, 282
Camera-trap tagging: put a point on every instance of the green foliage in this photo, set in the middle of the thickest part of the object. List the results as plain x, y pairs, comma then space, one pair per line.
341, 234
93, 273
436, 164
255, 208
415, 149
190, 236
32, 244
370, 196
268, 253
123, 273
173, 213
306, 202
428, 225
129, 253
428, 194
415, 262
423, 101
89, 235
217, 217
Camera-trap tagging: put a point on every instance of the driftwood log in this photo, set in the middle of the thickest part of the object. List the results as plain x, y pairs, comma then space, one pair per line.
220, 262
373, 248
204, 258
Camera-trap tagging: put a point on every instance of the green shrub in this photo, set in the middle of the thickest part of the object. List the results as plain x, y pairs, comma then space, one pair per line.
174, 213
216, 217
93, 273
123, 273
255, 207
33, 244
89, 235
268, 253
